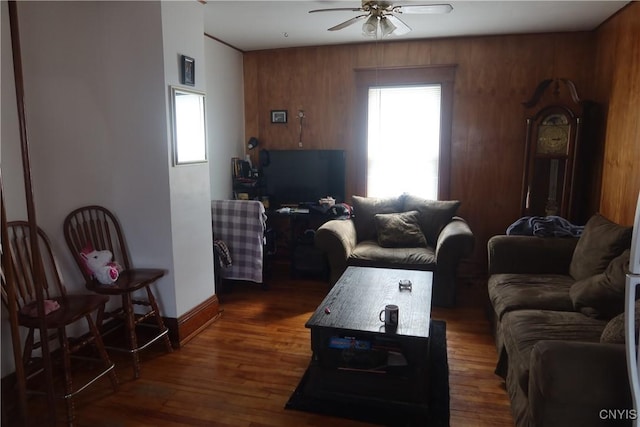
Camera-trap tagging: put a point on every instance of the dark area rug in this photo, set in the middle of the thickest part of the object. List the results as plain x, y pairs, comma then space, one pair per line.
437, 414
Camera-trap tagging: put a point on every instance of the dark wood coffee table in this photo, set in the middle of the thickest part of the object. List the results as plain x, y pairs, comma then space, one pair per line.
354, 357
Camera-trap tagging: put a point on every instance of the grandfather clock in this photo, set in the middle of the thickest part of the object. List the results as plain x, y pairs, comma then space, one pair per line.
556, 152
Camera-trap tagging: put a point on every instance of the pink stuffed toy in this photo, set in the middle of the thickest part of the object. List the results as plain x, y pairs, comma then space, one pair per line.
31, 309
99, 264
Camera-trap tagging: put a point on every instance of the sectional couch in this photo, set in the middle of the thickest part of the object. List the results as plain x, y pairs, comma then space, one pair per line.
557, 306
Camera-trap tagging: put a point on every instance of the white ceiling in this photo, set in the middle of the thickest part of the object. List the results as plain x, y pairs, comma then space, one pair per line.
263, 24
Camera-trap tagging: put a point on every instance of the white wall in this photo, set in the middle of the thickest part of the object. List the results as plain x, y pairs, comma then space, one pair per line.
10, 137
10, 163
97, 78
183, 29
225, 114
94, 89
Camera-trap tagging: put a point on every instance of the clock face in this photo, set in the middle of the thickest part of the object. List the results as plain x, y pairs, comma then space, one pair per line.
553, 135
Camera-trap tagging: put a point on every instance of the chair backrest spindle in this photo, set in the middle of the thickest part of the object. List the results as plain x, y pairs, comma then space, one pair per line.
98, 227
20, 254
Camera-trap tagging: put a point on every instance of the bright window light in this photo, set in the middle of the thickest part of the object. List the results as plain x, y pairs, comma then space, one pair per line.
403, 141
190, 129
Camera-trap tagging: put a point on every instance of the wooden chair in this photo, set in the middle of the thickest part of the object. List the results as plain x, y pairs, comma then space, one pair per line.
98, 227
71, 309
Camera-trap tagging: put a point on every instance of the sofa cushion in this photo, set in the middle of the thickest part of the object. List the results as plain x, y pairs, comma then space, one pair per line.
365, 209
524, 328
370, 254
602, 295
399, 230
509, 292
614, 333
434, 214
600, 242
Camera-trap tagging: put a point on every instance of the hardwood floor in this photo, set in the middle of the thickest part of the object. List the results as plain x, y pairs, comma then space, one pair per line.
241, 370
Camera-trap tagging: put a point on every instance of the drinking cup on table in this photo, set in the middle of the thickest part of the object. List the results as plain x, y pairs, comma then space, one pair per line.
389, 315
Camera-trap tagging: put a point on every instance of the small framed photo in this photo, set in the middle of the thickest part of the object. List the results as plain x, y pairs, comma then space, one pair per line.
187, 70
278, 116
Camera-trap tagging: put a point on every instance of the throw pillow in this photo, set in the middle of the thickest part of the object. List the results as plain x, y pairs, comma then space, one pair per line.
602, 295
365, 209
399, 230
600, 242
434, 214
614, 330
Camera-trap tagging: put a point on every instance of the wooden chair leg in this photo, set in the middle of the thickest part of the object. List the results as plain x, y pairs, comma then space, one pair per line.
100, 318
99, 344
130, 325
28, 350
158, 317
68, 380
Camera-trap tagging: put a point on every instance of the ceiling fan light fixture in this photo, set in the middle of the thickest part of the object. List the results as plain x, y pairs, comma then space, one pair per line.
383, 15
370, 26
386, 26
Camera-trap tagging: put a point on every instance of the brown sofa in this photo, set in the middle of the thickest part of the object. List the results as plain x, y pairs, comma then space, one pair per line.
558, 316
400, 232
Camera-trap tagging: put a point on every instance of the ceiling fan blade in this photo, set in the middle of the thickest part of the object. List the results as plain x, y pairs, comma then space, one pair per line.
401, 27
347, 23
423, 8
350, 9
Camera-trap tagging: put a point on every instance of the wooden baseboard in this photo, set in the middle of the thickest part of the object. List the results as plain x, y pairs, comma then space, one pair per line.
187, 326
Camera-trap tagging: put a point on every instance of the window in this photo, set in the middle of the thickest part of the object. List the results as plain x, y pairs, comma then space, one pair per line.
403, 129
403, 141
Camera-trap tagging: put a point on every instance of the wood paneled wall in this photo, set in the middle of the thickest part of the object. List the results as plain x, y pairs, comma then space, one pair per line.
494, 76
618, 89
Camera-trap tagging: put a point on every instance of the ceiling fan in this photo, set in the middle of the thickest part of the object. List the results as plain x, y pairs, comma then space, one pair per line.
378, 14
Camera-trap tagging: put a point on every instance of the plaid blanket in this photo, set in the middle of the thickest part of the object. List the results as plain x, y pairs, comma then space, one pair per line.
240, 224
224, 256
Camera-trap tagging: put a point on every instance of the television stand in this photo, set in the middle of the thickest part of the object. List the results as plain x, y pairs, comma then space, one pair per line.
295, 231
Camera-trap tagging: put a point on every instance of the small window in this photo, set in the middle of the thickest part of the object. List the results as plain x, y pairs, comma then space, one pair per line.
403, 141
403, 129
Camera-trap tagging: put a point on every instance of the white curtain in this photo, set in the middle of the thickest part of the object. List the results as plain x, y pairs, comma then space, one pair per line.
403, 141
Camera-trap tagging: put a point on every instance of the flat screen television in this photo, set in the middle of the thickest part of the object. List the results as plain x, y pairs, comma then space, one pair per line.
294, 177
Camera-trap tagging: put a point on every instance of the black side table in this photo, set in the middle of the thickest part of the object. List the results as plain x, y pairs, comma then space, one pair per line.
302, 224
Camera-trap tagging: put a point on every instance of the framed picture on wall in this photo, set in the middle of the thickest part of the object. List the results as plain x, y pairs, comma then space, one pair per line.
278, 116
187, 70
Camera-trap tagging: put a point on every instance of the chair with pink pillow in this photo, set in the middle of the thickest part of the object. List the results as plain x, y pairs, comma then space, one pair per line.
60, 310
